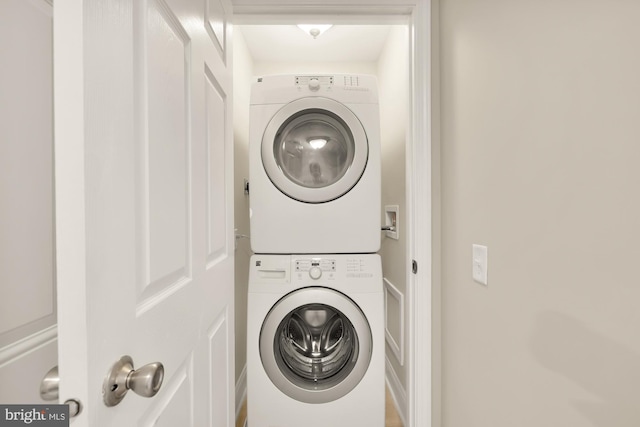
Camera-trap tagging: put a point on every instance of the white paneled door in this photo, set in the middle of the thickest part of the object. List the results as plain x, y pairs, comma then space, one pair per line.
144, 212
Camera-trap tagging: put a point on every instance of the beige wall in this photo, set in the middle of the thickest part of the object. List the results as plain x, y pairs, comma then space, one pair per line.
393, 86
540, 152
243, 74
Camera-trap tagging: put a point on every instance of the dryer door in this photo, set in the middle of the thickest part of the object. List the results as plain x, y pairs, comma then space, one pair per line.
315, 345
314, 150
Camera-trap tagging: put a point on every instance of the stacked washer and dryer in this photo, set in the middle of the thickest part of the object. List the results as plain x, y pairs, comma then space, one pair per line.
315, 327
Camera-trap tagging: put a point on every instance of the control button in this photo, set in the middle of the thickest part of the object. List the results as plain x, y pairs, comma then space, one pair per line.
315, 273
314, 84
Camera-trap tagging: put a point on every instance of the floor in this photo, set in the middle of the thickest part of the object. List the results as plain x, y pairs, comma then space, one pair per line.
392, 419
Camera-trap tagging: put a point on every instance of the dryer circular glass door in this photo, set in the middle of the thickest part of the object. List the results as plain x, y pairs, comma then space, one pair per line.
314, 150
315, 345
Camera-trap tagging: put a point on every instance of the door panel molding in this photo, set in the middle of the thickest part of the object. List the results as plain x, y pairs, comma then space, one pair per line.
174, 404
216, 22
163, 69
218, 337
216, 108
17, 349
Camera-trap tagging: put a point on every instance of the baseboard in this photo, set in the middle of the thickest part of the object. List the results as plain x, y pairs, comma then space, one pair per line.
241, 390
396, 390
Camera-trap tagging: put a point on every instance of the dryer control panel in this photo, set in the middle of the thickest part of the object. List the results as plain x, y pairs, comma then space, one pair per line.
313, 80
344, 88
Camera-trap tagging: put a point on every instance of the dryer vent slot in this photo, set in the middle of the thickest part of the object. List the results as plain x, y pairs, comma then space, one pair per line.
351, 81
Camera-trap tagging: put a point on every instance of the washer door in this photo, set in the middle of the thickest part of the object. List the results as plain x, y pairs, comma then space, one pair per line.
315, 345
314, 150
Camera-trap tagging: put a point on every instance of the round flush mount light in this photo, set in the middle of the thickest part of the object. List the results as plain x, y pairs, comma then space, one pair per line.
314, 30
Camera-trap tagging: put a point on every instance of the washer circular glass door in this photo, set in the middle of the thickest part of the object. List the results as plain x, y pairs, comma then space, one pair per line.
314, 150
315, 345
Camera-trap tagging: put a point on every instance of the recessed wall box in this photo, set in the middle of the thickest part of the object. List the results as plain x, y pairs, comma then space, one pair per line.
391, 221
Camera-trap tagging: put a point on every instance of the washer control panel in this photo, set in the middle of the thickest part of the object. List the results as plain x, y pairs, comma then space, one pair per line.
356, 271
315, 267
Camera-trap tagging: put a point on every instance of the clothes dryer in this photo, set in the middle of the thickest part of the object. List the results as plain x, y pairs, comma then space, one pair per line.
315, 341
315, 164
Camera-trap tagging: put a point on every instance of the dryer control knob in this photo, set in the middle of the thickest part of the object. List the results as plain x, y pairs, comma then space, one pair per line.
314, 84
315, 273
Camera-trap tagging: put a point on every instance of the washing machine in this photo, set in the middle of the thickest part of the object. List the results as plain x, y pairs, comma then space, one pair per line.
315, 341
314, 157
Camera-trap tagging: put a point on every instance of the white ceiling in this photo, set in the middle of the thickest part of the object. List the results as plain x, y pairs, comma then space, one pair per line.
285, 43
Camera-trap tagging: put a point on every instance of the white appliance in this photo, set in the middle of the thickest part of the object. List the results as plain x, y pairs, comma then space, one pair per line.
314, 156
315, 341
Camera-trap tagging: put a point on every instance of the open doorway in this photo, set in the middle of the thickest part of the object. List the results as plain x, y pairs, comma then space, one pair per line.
379, 50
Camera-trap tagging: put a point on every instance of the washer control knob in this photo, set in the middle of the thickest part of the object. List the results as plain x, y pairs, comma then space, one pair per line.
314, 84
315, 273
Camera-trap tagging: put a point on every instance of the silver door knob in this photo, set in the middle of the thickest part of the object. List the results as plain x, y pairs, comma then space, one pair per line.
50, 385
145, 381
50, 390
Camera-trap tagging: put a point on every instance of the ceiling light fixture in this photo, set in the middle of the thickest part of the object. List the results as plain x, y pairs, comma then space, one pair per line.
313, 30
